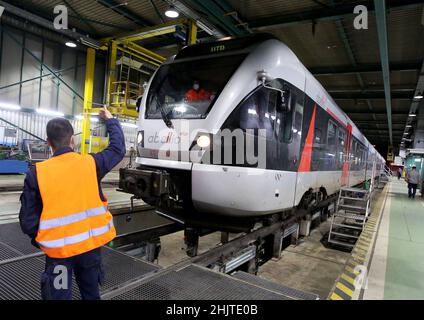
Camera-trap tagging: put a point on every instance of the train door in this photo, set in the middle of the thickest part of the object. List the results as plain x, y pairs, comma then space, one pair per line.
346, 160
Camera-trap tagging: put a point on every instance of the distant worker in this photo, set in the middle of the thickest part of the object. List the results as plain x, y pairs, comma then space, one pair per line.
413, 179
64, 211
195, 94
399, 173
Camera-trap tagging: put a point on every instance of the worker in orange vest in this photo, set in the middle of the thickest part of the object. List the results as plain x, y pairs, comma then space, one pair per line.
65, 213
195, 94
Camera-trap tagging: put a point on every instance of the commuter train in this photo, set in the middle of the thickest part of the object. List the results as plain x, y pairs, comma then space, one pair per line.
237, 130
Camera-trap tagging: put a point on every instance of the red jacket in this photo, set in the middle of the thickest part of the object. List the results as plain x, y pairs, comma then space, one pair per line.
197, 95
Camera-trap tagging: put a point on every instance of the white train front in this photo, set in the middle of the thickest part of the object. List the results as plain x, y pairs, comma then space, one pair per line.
239, 129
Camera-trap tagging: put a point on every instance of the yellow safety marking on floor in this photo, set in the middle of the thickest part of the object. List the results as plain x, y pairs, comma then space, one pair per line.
345, 289
352, 263
360, 252
366, 235
335, 296
351, 270
359, 260
348, 279
360, 246
363, 242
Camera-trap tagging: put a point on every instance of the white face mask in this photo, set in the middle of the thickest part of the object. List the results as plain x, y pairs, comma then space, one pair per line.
196, 86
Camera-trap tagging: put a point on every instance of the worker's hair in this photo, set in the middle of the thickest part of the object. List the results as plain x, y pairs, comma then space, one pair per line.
59, 132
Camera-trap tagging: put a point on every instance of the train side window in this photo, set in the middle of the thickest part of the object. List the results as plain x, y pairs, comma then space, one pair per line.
318, 137
341, 147
331, 133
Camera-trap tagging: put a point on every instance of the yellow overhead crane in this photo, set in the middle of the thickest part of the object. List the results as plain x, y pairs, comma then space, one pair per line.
121, 94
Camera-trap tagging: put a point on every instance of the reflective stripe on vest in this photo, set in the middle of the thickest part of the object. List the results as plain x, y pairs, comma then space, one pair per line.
77, 238
62, 221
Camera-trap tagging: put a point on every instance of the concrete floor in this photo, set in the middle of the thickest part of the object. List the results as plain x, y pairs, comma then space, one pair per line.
397, 263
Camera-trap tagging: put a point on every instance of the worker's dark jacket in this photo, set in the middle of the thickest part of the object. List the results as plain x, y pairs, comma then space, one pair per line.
31, 203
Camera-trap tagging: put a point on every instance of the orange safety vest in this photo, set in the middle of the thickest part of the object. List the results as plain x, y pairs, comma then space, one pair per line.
74, 219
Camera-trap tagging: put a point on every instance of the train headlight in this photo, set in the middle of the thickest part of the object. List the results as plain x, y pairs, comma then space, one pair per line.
140, 137
203, 141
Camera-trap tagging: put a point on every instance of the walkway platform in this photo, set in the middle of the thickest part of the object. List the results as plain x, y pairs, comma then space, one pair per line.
387, 262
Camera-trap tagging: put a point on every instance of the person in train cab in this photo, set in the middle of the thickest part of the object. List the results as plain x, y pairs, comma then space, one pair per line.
413, 179
197, 94
64, 212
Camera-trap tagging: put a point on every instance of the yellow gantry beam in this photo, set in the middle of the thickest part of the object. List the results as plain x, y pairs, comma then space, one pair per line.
147, 32
88, 99
145, 52
192, 32
125, 43
113, 50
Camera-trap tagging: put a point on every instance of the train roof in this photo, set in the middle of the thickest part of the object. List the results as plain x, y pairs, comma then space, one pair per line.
224, 45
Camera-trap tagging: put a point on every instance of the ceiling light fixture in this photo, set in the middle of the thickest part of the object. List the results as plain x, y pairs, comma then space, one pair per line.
70, 44
419, 96
172, 13
412, 115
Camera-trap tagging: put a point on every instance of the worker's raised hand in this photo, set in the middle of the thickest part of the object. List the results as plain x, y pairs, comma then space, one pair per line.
105, 114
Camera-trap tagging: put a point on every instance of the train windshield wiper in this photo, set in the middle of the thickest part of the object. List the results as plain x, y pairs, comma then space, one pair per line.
165, 117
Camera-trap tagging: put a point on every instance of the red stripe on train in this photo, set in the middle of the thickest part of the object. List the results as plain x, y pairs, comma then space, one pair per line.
306, 158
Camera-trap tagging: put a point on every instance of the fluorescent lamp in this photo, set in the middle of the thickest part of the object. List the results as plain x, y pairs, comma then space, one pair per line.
70, 44
419, 96
408, 126
412, 115
50, 113
129, 125
9, 106
172, 13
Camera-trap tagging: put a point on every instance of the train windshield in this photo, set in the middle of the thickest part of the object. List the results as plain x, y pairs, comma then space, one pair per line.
188, 90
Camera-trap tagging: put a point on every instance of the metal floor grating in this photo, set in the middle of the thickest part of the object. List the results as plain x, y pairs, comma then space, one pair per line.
7, 253
121, 268
21, 279
11, 234
290, 292
197, 283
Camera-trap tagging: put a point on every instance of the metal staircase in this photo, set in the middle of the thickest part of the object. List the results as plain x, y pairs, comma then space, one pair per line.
352, 211
384, 177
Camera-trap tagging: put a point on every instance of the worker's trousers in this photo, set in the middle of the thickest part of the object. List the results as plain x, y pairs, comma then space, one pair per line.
412, 190
56, 280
